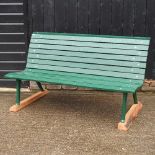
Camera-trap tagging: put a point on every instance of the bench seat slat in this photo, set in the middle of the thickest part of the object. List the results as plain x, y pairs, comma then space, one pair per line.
87, 71
43, 52
92, 77
90, 60
38, 43
75, 81
93, 38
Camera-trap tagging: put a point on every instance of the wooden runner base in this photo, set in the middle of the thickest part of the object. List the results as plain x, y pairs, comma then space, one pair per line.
28, 101
130, 116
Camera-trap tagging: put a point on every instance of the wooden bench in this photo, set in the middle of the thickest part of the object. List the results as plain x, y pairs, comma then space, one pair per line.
109, 63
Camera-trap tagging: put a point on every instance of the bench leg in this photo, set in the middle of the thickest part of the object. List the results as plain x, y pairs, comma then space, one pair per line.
137, 106
40, 86
125, 95
22, 104
18, 86
131, 114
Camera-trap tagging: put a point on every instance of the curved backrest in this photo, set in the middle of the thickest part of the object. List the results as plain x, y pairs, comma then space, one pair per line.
101, 55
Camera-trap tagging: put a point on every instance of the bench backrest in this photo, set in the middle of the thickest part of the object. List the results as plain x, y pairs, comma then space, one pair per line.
101, 55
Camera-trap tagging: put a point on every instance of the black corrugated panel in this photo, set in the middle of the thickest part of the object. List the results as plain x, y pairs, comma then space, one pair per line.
111, 17
153, 70
13, 39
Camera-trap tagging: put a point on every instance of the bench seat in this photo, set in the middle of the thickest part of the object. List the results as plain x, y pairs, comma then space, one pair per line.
81, 80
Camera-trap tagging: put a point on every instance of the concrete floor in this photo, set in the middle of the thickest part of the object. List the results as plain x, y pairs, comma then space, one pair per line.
75, 123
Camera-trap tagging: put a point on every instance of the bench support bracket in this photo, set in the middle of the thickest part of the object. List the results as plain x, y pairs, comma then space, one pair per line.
126, 120
22, 104
40, 86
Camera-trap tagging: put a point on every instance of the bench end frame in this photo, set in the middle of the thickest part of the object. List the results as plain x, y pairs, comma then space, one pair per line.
131, 115
22, 104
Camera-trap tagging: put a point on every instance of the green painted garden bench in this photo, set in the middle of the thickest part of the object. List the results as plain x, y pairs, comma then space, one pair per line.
109, 63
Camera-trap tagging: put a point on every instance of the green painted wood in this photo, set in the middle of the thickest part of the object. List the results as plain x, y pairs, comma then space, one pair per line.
72, 78
94, 38
80, 81
124, 104
135, 98
18, 86
91, 77
39, 85
87, 55
86, 71
33, 48
86, 66
50, 65
38, 42
91, 60
91, 35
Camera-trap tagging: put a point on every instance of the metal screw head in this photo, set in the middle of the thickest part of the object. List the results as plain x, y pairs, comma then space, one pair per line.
133, 58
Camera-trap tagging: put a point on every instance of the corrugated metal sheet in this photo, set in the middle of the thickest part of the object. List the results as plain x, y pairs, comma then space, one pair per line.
112, 17
12, 39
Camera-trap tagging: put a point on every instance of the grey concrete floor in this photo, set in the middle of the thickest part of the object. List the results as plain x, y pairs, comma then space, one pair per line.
75, 123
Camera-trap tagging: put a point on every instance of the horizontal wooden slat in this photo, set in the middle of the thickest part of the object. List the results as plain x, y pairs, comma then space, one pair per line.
93, 38
87, 66
86, 71
86, 49
11, 8
95, 77
88, 44
84, 54
91, 60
